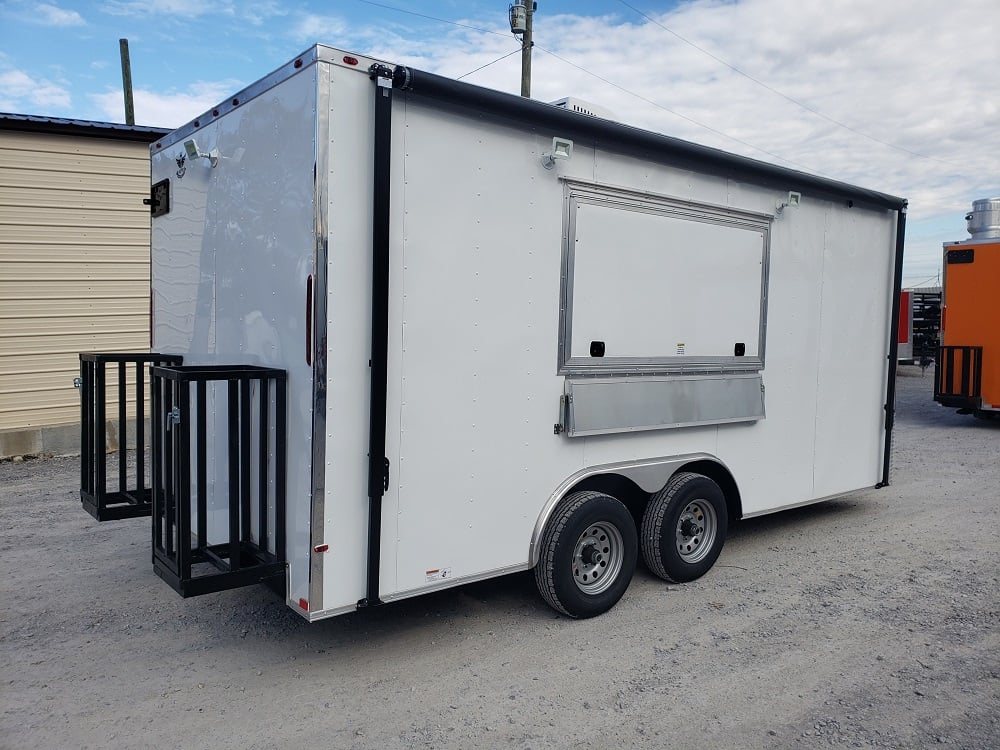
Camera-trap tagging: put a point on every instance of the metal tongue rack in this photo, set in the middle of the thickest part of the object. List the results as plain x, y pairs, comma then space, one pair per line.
132, 497
219, 457
212, 476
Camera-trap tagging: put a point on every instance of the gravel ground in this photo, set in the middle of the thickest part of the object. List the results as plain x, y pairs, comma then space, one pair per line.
866, 621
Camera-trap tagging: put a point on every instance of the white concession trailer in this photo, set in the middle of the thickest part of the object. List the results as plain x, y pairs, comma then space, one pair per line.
411, 333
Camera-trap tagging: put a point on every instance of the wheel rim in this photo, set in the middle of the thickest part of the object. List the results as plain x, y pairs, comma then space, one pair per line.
696, 530
597, 557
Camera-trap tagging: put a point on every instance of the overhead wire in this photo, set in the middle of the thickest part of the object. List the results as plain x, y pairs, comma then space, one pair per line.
674, 112
595, 75
936, 277
431, 18
504, 57
657, 104
452, 23
782, 94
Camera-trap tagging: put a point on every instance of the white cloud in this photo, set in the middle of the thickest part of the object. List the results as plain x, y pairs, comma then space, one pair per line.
913, 80
20, 92
315, 28
176, 8
255, 13
52, 15
259, 13
167, 109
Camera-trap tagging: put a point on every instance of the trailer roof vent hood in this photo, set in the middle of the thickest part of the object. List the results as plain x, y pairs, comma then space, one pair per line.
584, 107
983, 221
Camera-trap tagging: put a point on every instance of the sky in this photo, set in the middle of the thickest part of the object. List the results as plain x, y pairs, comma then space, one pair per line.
899, 97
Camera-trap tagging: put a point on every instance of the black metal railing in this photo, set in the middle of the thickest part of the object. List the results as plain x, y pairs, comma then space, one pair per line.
221, 525
132, 498
959, 375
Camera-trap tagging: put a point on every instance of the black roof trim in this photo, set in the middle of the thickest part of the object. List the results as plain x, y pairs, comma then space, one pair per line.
86, 128
645, 144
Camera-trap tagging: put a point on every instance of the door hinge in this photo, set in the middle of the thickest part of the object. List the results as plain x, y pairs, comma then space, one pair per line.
561, 426
385, 476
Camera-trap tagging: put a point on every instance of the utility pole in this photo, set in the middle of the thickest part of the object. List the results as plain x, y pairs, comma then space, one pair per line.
526, 52
521, 15
127, 82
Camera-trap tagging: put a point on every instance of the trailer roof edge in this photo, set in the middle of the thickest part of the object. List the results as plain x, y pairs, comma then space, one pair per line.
626, 138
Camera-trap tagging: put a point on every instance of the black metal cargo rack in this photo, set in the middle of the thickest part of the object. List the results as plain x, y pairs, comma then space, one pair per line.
926, 324
959, 376
202, 543
133, 499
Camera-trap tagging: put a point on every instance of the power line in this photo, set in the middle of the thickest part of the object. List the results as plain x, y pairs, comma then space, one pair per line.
674, 112
600, 78
936, 277
783, 95
514, 52
433, 18
451, 23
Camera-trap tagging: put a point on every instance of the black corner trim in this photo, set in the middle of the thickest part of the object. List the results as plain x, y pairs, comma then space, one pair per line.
890, 390
378, 478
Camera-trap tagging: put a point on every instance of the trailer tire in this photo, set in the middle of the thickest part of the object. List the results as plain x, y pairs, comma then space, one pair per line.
588, 554
684, 528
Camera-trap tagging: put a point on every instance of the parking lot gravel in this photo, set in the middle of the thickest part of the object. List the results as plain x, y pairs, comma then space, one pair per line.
866, 621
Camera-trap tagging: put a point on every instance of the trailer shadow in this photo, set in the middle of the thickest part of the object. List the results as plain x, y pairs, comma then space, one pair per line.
508, 604
480, 606
778, 523
252, 615
496, 601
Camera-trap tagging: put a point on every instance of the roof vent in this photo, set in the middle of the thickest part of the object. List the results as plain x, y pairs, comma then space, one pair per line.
584, 108
983, 221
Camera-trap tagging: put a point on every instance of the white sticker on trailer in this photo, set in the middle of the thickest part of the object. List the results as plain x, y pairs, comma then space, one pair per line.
439, 574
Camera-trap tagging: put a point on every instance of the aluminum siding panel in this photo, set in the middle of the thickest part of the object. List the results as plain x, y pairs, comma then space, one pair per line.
74, 266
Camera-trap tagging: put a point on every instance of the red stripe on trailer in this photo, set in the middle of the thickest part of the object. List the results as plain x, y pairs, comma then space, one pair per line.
904, 318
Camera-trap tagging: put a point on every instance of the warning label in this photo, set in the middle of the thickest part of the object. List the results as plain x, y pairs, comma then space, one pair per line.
438, 574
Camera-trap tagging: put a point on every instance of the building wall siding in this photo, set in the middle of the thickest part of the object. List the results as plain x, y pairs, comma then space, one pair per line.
74, 266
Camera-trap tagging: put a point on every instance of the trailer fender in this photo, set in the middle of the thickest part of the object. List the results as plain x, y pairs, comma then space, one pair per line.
649, 475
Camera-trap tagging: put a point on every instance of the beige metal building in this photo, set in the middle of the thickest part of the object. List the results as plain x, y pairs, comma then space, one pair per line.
74, 266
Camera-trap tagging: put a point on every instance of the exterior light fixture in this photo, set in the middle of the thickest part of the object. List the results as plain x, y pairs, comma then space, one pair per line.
792, 200
193, 153
562, 148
